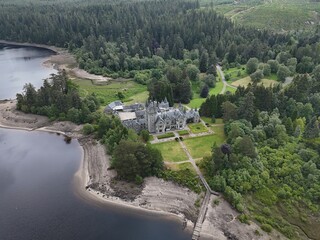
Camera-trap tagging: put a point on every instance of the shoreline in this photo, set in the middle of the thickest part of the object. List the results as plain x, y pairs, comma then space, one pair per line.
61, 59
34, 45
91, 196
81, 177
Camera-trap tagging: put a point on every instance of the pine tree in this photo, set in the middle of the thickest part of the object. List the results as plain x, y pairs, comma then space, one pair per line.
204, 91
312, 129
203, 64
246, 107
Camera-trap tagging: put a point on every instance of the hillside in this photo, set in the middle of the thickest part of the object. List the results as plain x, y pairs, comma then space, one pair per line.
278, 15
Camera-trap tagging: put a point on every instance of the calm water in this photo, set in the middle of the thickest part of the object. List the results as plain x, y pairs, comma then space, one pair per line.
37, 197
20, 65
37, 200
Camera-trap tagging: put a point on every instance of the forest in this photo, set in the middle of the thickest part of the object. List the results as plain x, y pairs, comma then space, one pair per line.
269, 167
271, 157
144, 41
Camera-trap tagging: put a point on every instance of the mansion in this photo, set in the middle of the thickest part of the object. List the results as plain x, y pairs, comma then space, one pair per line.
156, 117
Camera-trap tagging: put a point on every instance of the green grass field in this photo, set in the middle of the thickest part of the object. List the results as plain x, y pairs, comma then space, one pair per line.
236, 73
209, 120
108, 93
278, 15
197, 100
245, 82
181, 166
219, 130
171, 151
201, 146
138, 98
197, 128
230, 89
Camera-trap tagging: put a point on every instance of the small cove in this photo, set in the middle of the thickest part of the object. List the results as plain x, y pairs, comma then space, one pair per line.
20, 65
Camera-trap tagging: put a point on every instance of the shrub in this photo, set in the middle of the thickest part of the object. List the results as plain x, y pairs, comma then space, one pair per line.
244, 218
197, 203
184, 177
145, 135
266, 227
166, 135
183, 132
216, 202
138, 180
87, 129
257, 233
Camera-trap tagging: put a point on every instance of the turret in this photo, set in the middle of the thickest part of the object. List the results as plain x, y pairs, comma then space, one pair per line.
151, 116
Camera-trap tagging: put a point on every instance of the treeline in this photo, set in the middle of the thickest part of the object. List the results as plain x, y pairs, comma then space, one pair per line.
110, 37
157, 43
58, 98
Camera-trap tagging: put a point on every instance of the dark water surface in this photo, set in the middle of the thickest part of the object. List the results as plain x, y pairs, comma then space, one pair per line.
37, 199
20, 65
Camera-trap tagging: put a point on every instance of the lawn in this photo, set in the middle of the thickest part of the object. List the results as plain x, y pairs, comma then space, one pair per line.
181, 166
171, 151
219, 130
201, 146
197, 128
245, 82
236, 73
108, 92
209, 120
217, 89
197, 100
230, 89
196, 103
138, 98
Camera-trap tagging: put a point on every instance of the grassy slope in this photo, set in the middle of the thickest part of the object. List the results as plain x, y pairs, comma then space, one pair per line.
197, 100
245, 82
276, 14
108, 93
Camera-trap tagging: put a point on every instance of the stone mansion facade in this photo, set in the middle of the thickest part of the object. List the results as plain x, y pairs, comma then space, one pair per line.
156, 117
